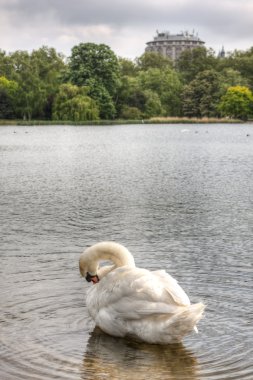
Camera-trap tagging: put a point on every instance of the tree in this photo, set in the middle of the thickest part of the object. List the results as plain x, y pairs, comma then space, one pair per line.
201, 96
167, 85
49, 66
153, 60
97, 62
241, 61
230, 77
192, 62
153, 106
38, 78
6, 67
245, 65
72, 103
97, 67
103, 99
153, 92
237, 103
8, 91
131, 113
130, 95
31, 93
127, 67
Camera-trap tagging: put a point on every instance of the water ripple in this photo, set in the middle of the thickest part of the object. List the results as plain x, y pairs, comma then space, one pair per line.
181, 202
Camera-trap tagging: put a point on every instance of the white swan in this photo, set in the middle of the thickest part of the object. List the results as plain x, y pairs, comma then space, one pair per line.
127, 301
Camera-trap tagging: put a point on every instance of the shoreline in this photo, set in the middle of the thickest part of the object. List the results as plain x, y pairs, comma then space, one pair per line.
161, 120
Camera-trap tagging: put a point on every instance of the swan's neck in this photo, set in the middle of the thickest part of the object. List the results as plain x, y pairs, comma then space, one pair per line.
114, 252
90, 258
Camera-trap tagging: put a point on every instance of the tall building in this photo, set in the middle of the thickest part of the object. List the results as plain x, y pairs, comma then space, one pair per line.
222, 53
172, 45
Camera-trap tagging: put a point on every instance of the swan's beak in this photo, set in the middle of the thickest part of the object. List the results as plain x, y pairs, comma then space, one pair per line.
92, 278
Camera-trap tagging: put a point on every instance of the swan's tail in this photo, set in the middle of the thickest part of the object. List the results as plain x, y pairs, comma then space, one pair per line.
183, 322
167, 328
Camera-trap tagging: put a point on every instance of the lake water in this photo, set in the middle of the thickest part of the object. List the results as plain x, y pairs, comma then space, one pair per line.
180, 197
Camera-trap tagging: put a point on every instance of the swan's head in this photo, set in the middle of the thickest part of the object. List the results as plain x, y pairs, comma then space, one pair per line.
88, 267
90, 258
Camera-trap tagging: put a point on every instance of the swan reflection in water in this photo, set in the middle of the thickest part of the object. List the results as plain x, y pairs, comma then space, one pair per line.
107, 357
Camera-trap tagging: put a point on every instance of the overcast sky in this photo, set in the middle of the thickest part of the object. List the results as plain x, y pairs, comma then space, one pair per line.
124, 25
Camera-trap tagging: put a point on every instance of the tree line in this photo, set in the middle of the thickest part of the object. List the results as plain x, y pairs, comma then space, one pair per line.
93, 83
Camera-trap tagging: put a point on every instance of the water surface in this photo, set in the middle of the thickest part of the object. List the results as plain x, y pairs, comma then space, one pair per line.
179, 197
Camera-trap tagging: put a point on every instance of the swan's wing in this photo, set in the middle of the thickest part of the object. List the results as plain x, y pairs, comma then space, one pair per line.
134, 293
173, 288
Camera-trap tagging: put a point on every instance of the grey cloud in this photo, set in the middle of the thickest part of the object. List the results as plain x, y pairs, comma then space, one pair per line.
133, 12
78, 11
221, 20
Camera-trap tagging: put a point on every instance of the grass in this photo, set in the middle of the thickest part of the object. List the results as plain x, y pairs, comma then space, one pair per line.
153, 120
193, 120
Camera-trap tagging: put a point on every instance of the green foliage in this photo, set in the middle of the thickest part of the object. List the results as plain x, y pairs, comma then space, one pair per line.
104, 86
8, 93
72, 103
153, 106
6, 68
167, 85
130, 113
97, 67
49, 66
230, 78
9, 85
130, 95
103, 99
151, 60
127, 67
237, 103
241, 61
201, 96
192, 62
37, 75
90, 61
154, 92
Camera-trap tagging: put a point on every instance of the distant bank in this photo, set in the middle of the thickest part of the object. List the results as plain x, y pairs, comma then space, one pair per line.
158, 120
